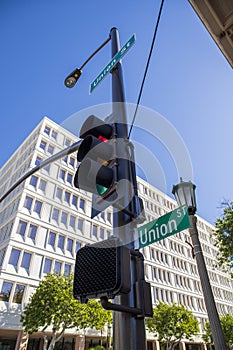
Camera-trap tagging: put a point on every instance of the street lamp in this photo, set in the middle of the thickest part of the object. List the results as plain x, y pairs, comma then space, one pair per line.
185, 195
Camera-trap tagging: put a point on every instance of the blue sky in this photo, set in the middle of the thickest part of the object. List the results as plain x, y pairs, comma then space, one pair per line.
189, 81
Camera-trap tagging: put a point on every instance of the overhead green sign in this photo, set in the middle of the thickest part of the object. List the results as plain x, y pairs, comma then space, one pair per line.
163, 227
118, 56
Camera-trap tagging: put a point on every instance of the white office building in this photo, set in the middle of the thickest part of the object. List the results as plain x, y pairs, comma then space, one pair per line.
45, 220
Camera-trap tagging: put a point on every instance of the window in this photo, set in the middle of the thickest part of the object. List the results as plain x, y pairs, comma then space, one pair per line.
80, 225
14, 257
62, 174
33, 181
72, 161
47, 130
77, 246
101, 233
67, 197
37, 207
74, 200
22, 228
59, 193
64, 217
32, 231
55, 214
47, 168
94, 231
82, 204
69, 178
6, 291
38, 161
18, 294
43, 145
69, 244
72, 221
108, 234
67, 142
50, 149
28, 203
57, 267
61, 241
26, 260
47, 265
67, 269
65, 159
52, 238
54, 135
42, 185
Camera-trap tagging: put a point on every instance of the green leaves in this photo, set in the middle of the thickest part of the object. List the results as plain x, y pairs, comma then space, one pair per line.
224, 237
227, 327
52, 305
171, 323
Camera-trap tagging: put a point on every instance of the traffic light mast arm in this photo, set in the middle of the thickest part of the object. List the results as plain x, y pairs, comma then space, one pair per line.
64, 152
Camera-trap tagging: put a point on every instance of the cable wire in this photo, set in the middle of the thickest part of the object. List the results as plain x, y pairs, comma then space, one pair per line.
147, 66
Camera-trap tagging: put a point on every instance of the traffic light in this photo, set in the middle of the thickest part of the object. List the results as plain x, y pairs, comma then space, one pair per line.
102, 269
97, 171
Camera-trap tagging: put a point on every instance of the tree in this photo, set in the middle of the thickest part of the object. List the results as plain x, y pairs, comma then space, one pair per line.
53, 306
224, 236
172, 323
227, 327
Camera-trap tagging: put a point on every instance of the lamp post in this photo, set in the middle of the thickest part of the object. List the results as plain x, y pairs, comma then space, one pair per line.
185, 194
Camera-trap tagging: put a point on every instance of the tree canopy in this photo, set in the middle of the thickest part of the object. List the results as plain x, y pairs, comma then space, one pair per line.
53, 306
224, 236
172, 323
227, 327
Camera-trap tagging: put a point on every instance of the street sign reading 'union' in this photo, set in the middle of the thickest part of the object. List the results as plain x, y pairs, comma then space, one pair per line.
165, 226
118, 56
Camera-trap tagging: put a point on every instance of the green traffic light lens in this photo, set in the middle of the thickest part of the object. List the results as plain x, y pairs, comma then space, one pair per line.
101, 189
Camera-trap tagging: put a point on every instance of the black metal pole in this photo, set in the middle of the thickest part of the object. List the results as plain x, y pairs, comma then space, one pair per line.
128, 331
215, 325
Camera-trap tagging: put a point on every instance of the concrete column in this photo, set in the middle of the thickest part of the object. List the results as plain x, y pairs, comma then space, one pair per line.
80, 342
156, 345
182, 345
22, 341
203, 347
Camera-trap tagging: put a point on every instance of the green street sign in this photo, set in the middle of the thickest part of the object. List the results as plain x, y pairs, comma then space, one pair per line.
163, 227
118, 56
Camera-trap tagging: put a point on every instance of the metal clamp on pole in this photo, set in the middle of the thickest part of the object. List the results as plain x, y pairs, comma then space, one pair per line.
117, 307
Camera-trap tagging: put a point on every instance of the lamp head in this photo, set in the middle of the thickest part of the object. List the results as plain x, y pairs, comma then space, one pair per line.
184, 193
72, 79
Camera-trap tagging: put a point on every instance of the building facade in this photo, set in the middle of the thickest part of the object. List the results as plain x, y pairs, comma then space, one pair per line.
45, 220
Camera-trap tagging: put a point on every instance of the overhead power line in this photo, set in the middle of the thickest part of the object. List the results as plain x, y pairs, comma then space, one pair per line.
147, 66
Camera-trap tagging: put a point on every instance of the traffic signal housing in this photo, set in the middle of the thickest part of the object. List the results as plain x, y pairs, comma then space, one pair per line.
102, 269
97, 171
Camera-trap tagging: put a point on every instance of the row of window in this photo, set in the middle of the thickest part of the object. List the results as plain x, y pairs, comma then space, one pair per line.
160, 256
62, 242
68, 220
46, 147
55, 266
50, 132
70, 199
69, 161
38, 183
6, 231
33, 205
22, 259
21, 154
9, 210
12, 292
